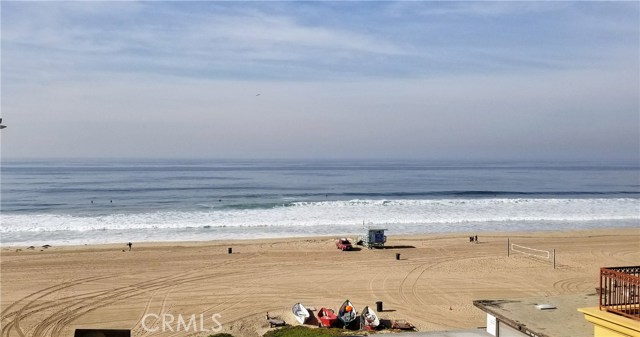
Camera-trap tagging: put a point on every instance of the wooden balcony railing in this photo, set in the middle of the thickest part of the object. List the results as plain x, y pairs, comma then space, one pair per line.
620, 291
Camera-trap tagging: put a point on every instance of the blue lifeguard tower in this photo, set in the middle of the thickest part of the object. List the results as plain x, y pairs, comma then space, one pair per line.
374, 238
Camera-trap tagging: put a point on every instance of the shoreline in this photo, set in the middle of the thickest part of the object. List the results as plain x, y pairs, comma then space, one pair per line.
248, 241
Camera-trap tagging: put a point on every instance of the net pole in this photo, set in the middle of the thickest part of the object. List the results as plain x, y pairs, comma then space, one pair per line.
554, 258
508, 247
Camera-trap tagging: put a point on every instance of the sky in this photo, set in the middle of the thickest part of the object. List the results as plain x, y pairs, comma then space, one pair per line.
313, 80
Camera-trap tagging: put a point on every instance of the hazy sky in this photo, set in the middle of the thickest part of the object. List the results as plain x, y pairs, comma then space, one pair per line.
467, 80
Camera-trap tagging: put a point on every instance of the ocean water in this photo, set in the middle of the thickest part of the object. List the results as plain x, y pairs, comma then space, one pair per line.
109, 201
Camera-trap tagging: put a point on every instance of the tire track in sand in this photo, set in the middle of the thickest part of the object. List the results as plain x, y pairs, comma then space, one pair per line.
59, 319
20, 313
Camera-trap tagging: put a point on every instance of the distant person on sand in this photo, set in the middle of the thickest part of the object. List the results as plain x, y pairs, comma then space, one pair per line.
476, 239
129, 244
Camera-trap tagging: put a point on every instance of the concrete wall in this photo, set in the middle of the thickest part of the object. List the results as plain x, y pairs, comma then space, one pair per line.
500, 329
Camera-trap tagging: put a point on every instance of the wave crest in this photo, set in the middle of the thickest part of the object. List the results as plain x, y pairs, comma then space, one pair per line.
339, 213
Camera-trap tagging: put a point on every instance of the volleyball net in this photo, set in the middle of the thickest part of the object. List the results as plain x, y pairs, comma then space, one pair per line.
536, 253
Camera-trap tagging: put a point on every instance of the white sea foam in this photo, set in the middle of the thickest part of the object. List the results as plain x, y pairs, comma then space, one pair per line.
443, 213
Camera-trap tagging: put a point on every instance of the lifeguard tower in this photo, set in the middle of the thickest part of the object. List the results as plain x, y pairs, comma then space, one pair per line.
374, 238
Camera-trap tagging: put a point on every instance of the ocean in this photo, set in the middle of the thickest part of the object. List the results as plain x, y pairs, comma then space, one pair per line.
64, 202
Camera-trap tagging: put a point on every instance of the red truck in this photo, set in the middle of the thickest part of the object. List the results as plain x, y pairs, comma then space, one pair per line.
344, 244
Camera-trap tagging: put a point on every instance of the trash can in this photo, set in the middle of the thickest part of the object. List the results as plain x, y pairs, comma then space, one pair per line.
379, 306
230, 250
397, 256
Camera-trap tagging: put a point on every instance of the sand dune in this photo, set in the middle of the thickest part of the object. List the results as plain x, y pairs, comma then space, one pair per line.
53, 291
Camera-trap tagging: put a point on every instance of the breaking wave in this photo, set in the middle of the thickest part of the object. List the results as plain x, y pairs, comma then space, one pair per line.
446, 213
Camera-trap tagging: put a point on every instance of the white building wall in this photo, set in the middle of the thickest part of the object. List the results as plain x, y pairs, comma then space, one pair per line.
500, 329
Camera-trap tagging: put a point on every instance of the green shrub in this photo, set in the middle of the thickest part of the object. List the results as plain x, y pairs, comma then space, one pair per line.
221, 335
302, 331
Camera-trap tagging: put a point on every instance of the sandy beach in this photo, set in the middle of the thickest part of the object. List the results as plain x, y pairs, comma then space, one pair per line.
52, 291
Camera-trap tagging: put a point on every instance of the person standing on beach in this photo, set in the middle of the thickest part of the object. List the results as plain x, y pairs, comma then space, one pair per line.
129, 244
